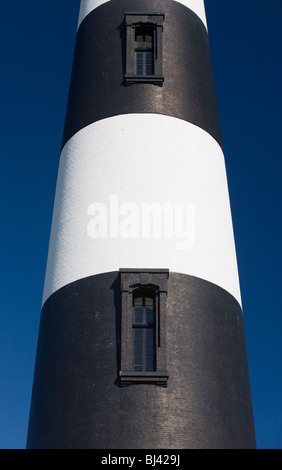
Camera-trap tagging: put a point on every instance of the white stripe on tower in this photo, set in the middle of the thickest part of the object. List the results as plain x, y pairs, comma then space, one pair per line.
182, 165
197, 6
182, 170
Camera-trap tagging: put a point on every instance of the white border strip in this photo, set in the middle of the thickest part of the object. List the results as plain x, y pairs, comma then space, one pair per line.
197, 6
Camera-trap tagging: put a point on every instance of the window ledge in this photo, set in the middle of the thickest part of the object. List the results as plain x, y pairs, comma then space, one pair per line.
130, 377
155, 79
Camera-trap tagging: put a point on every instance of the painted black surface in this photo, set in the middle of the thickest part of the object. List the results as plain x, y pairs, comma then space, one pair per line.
98, 90
78, 403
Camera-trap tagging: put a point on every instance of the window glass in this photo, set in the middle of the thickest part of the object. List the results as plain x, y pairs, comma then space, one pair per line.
144, 50
144, 37
144, 334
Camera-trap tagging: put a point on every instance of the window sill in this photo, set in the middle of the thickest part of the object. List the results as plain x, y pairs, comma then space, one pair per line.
155, 79
130, 377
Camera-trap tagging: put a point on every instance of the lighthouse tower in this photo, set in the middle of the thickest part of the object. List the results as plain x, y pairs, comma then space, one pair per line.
141, 342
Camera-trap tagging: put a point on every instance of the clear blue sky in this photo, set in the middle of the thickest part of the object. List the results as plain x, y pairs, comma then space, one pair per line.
36, 56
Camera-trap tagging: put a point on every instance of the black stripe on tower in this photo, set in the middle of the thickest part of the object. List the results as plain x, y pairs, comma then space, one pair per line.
207, 403
98, 89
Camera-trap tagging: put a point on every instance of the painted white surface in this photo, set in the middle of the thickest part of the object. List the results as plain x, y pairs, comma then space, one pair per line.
135, 159
87, 6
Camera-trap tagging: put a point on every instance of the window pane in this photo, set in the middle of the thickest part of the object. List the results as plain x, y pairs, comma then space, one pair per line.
149, 354
138, 333
144, 34
149, 63
143, 46
138, 351
138, 315
139, 71
149, 350
149, 315
138, 360
149, 364
149, 361
138, 302
149, 333
138, 342
144, 337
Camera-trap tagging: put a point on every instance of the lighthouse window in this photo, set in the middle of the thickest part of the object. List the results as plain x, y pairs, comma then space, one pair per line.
144, 48
143, 326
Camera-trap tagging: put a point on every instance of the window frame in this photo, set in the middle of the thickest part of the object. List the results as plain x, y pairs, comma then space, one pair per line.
152, 283
154, 22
